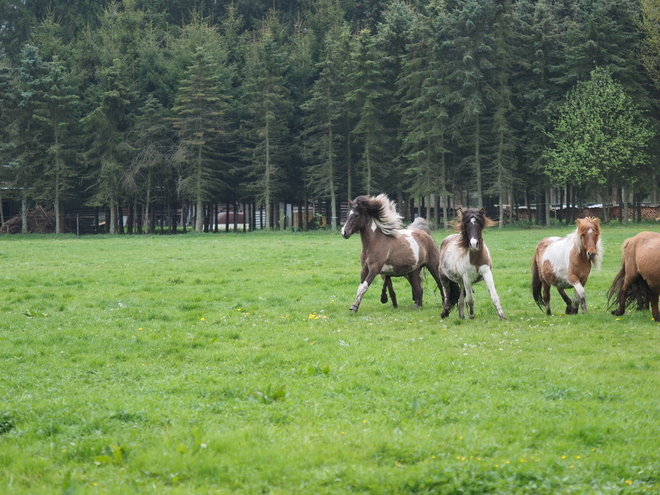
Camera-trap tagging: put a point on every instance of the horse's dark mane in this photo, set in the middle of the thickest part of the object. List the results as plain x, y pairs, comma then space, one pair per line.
383, 212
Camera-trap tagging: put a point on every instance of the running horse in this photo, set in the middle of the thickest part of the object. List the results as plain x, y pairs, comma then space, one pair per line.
387, 248
638, 281
566, 262
418, 224
465, 260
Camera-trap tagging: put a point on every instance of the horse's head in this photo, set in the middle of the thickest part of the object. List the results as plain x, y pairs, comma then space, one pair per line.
356, 218
379, 209
588, 230
472, 223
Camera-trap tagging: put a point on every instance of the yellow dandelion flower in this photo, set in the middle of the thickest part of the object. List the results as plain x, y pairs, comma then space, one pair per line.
629, 482
202, 319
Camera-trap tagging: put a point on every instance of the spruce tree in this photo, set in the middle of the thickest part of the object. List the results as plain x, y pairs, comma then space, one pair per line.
323, 116
465, 39
201, 109
368, 95
267, 110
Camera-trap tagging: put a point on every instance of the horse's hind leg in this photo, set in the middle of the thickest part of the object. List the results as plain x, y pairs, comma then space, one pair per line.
546, 298
568, 301
461, 304
388, 287
415, 280
654, 307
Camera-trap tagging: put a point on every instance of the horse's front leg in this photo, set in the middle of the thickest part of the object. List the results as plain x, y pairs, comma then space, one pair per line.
366, 276
487, 275
579, 300
462, 301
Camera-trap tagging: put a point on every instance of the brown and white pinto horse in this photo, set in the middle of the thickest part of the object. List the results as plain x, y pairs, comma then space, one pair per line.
418, 224
465, 260
565, 262
387, 248
638, 281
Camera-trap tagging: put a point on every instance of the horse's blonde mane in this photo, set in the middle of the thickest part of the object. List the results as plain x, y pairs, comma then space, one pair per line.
385, 215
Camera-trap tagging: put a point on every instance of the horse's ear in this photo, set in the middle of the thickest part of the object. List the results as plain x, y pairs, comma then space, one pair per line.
459, 212
350, 204
483, 210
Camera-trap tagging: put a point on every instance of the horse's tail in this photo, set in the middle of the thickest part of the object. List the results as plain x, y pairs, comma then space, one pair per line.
454, 294
537, 285
638, 294
420, 224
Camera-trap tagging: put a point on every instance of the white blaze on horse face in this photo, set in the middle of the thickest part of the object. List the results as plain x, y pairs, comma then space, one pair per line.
474, 242
350, 213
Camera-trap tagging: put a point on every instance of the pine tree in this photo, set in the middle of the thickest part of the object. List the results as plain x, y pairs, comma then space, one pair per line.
502, 161
56, 111
152, 167
268, 107
423, 118
368, 96
465, 39
107, 149
324, 112
28, 153
201, 107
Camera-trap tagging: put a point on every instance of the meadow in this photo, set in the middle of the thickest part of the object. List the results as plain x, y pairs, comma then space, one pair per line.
230, 363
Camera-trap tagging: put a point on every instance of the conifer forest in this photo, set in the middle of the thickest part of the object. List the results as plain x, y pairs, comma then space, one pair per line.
144, 107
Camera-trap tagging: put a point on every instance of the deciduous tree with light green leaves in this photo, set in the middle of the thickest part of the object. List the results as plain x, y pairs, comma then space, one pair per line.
600, 138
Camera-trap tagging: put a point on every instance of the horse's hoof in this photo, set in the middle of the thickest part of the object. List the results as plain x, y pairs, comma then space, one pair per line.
383, 298
502, 317
444, 314
354, 309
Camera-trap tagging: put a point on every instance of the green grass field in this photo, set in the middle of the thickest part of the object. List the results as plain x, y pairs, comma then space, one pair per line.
230, 363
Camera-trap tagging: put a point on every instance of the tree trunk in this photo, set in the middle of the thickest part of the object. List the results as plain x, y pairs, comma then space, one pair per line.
477, 163
24, 220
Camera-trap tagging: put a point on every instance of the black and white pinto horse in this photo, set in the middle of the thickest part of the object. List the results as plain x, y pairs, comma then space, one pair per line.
465, 260
387, 248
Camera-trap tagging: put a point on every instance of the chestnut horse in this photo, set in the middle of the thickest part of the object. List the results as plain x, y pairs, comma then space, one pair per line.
387, 248
638, 281
465, 260
565, 262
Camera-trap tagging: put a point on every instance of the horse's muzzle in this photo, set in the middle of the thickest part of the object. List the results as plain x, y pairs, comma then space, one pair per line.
591, 255
345, 234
